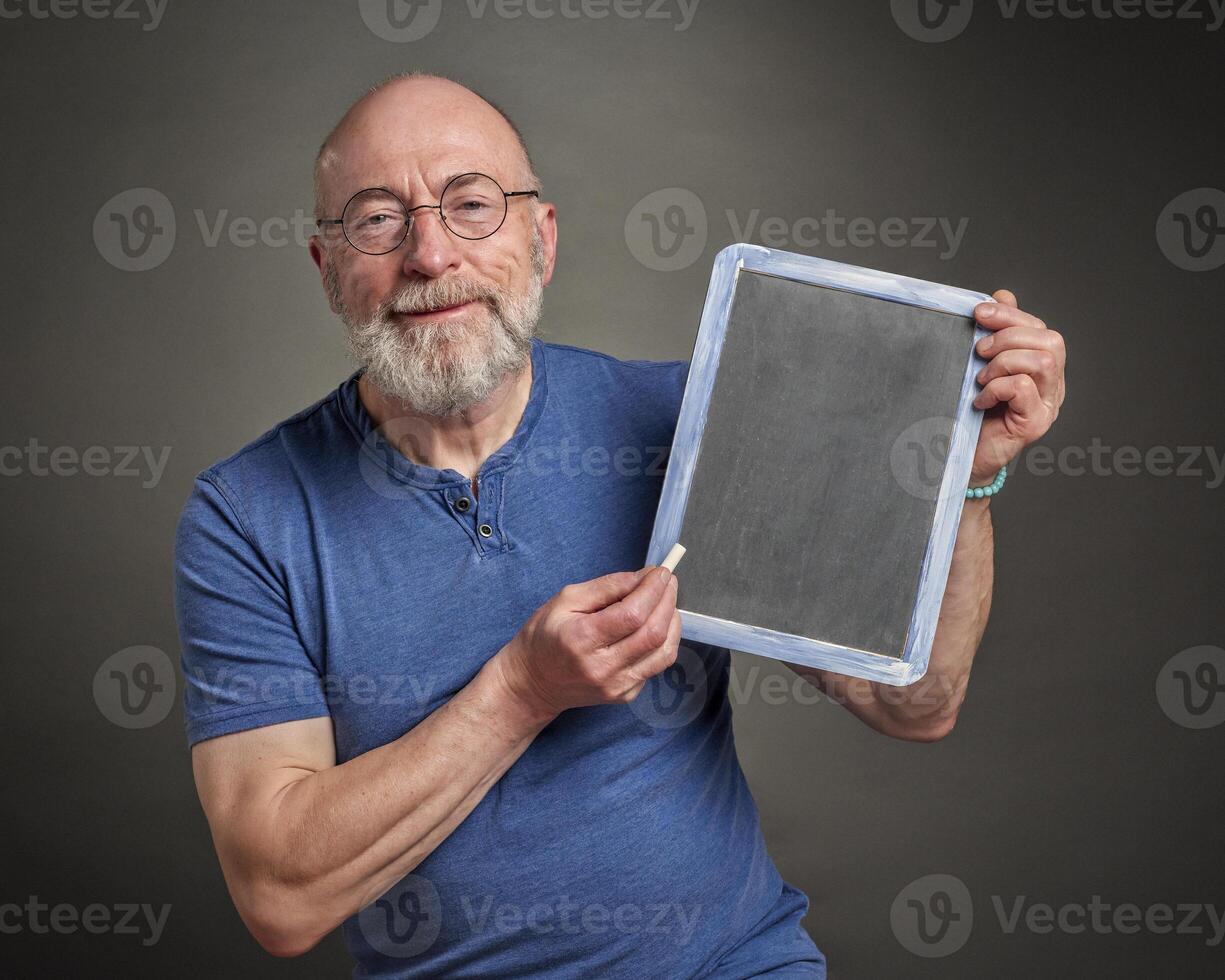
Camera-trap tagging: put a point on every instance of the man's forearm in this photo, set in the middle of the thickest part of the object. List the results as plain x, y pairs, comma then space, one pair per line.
315, 847
927, 709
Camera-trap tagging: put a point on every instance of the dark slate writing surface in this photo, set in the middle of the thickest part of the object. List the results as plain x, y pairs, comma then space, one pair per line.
795, 520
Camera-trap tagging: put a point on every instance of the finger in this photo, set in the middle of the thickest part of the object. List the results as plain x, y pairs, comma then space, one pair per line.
1024, 405
633, 692
1024, 338
1005, 296
653, 632
626, 616
997, 316
657, 661
1041, 365
599, 592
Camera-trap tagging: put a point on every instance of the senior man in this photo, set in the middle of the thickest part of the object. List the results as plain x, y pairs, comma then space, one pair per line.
411, 644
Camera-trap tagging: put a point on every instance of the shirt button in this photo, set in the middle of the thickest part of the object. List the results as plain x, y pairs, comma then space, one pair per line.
485, 530
462, 504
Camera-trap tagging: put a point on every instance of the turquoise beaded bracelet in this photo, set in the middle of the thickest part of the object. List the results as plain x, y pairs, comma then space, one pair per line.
991, 489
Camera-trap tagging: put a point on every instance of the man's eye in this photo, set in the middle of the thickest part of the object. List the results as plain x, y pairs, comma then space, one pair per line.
473, 206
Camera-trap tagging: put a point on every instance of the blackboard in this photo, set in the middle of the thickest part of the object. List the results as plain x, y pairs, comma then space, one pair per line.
820, 462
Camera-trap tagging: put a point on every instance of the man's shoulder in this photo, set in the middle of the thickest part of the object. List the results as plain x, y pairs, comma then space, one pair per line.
637, 381
275, 456
579, 358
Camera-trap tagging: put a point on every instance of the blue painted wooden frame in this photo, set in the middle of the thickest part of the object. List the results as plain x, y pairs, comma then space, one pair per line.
687, 443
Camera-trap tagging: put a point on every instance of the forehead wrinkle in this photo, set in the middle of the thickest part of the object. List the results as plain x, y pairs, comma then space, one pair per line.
413, 178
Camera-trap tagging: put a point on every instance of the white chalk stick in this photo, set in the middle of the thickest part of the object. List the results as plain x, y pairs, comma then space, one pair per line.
674, 556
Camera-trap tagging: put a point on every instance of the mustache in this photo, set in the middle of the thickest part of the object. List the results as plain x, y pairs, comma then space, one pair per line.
437, 294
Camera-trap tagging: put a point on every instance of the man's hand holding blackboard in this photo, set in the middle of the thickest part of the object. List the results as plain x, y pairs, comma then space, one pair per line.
1023, 383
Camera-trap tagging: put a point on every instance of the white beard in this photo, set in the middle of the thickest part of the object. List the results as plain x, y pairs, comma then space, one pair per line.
440, 368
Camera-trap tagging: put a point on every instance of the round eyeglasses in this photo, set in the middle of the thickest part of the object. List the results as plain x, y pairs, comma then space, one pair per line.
472, 206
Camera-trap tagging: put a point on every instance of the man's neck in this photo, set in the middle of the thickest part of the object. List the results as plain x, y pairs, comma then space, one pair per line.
460, 442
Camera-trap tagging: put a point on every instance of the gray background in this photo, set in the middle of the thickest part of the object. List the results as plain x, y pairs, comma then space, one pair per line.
1060, 140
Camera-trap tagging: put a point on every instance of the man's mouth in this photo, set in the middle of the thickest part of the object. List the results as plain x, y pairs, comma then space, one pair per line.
435, 312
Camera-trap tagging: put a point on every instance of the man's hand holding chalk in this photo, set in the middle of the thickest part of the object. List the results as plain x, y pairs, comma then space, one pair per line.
596, 642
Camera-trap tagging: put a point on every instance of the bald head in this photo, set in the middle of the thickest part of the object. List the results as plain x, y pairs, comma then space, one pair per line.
408, 121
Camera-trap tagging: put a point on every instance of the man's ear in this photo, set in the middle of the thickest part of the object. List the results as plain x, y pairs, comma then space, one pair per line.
316, 250
319, 257
546, 221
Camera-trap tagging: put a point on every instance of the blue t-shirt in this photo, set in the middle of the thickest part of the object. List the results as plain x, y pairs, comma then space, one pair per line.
320, 572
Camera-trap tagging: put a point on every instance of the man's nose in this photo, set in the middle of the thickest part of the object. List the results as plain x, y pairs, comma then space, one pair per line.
430, 249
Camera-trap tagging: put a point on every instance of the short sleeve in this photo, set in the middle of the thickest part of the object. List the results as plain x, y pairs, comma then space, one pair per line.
244, 664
